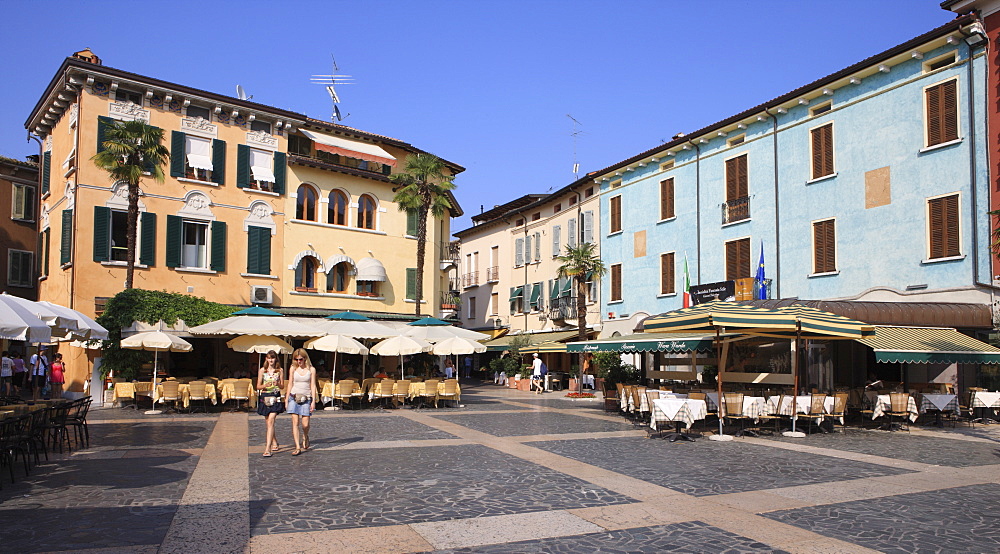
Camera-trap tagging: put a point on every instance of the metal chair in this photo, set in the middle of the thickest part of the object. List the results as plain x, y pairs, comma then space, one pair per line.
839, 409
816, 413
899, 404
733, 411
197, 392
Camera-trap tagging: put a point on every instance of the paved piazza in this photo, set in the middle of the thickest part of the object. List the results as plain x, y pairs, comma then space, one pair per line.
507, 471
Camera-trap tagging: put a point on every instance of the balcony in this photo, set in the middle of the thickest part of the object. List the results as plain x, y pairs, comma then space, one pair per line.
493, 274
455, 284
737, 209
450, 301
562, 308
470, 280
450, 253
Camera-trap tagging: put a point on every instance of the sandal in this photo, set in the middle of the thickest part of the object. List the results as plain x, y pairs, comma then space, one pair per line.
297, 452
267, 454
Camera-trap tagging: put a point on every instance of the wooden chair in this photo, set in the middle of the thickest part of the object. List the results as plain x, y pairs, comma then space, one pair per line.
171, 393
612, 402
651, 395
899, 403
637, 414
383, 392
450, 391
817, 411
733, 404
197, 392
400, 393
839, 409
774, 418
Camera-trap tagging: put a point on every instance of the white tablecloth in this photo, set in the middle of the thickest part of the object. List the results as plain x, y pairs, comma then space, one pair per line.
882, 405
802, 404
985, 399
666, 410
942, 402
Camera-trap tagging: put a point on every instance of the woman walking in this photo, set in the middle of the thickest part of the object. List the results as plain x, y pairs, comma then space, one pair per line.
57, 375
301, 397
269, 401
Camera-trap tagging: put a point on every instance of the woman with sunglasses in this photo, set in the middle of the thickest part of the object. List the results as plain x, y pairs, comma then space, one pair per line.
269, 404
301, 399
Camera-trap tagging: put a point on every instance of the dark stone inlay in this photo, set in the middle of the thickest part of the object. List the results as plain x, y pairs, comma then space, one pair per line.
961, 519
326, 431
704, 467
533, 423
173, 434
339, 489
690, 536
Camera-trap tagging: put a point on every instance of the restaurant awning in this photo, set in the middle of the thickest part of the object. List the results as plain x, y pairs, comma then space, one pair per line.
647, 342
547, 347
370, 269
502, 343
929, 345
350, 148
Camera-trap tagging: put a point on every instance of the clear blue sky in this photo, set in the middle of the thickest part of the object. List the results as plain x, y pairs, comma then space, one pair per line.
485, 84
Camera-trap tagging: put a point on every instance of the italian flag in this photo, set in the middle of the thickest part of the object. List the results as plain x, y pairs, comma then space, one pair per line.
687, 283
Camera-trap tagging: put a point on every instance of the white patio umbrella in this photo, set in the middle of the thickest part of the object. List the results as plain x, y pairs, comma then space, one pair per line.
18, 323
87, 328
435, 333
457, 346
336, 344
61, 325
259, 344
401, 346
357, 329
258, 325
156, 341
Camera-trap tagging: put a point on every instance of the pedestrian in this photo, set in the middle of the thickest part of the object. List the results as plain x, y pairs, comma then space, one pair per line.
39, 370
449, 369
269, 400
6, 374
301, 397
537, 378
58, 375
20, 374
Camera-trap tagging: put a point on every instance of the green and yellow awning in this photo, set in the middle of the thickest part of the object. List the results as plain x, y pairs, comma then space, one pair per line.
925, 345
547, 347
707, 317
647, 342
503, 343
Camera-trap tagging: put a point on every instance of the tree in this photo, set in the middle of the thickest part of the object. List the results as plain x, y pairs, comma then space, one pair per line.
132, 149
579, 263
422, 189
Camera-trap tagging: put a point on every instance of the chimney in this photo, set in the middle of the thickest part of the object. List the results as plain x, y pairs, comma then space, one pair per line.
88, 56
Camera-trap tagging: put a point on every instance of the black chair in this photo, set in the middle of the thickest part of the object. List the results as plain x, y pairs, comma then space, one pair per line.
55, 428
77, 419
11, 445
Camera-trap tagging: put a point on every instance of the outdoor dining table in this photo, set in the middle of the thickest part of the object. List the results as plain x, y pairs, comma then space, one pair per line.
883, 404
185, 391
127, 390
803, 403
677, 411
227, 389
984, 400
418, 389
753, 406
937, 403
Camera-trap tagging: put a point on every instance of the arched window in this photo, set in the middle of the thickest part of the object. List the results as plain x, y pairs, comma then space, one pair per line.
305, 206
337, 211
305, 274
366, 212
336, 280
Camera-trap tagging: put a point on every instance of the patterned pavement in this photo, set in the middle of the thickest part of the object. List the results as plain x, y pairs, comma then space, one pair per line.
508, 472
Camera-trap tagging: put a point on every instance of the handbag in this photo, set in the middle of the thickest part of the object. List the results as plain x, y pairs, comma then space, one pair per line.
301, 399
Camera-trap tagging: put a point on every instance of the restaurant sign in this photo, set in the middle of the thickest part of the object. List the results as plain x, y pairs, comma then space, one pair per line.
723, 290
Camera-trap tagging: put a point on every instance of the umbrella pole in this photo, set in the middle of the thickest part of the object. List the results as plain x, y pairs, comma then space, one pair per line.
152, 394
718, 376
795, 384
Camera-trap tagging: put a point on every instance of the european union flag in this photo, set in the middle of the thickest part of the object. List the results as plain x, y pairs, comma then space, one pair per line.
761, 289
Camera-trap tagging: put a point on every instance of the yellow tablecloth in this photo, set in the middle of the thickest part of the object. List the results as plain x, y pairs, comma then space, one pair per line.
227, 388
185, 392
417, 389
327, 390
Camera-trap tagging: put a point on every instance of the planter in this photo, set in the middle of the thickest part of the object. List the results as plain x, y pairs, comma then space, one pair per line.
512, 382
574, 384
524, 384
598, 384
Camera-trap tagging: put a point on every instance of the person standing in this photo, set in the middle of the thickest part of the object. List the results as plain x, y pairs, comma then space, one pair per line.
6, 374
269, 401
58, 375
537, 379
449, 369
301, 397
39, 370
20, 373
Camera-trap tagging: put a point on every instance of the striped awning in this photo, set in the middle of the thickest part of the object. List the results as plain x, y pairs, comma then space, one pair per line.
925, 345
710, 315
819, 324
503, 343
547, 347
648, 342
350, 148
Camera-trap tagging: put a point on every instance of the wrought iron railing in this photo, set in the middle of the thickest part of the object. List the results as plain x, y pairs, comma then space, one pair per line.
451, 251
470, 279
736, 209
492, 274
450, 301
562, 308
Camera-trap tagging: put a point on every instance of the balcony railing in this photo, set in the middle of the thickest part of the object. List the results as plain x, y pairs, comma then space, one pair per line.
450, 301
470, 279
562, 308
451, 251
736, 209
492, 274
455, 284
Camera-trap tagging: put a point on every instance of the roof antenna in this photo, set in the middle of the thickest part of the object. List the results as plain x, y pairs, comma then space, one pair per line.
576, 132
330, 82
241, 93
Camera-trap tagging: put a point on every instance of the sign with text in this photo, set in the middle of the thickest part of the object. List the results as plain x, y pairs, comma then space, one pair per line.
723, 290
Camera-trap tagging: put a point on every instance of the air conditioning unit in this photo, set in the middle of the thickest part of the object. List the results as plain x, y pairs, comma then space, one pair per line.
261, 294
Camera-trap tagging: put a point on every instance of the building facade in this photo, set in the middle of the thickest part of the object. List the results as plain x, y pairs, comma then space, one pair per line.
18, 234
244, 214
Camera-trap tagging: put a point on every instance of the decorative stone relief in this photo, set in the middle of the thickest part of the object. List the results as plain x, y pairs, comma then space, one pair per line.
262, 139
197, 205
127, 111
260, 216
44, 218
48, 143
70, 193
119, 198
199, 126
74, 114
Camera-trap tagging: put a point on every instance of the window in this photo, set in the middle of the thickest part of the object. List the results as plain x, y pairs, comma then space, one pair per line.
527, 249
822, 151
258, 250
536, 216
128, 96
198, 111
942, 112
821, 109
366, 212
23, 207
538, 247
572, 200
519, 222
199, 158
305, 274
411, 283
669, 164
260, 126
556, 240
198, 161
472, 308
44, 245
516, 300
495, 303
535, 300
824, 246
556, 209
337, 278
336, 213
591, 285
589, 192
261, 172
305, 203
939, 62
299, 145
667, 273
119, 236
20, 265
571, 235
943, 227
194, 253
616, 282
616, 183
737, 205
737, 259
737, 140
369, 288
667, 198
588, 226
616, 214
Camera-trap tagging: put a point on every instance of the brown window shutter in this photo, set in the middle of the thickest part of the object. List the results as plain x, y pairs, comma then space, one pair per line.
936, 215
824, 247
944, 227
737, 259
616, 214
951, 245
830, 238
817, 153
934, 116
667, 273
743, 177
732, 182
949, 111
667, 198
828, 150
743, 270
822, 151
616, 282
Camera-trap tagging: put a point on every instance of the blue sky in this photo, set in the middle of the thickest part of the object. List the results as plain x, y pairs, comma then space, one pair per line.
487, 85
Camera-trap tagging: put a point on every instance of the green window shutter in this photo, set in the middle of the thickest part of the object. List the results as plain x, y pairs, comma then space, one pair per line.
253, 250
386, 169
46, 242
174, 226
66, 245
411, 283
149, 166
102, 126
46, 171
264, 265
511, 299
242, 165
219, 161
279, 172
147, 242
411, 223
102, 231
218, 246
178, 151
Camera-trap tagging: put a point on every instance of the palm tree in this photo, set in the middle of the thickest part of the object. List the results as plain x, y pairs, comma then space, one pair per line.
423, 188
130, 150
579, 263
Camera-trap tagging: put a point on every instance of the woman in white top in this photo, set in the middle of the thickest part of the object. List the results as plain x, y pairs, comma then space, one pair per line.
301, 397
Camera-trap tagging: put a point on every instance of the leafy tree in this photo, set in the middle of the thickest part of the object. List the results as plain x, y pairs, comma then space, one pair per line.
132, 149
422, 189
579, 263
148, 306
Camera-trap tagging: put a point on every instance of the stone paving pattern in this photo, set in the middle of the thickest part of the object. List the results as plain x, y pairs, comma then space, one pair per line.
509, 472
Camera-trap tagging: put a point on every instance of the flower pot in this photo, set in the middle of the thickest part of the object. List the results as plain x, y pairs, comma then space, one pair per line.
574, 384
512, 382
598, 384
524, 384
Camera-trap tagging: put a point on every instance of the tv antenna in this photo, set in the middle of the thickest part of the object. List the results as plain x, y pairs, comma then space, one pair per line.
241, 93
330, 82
576, 133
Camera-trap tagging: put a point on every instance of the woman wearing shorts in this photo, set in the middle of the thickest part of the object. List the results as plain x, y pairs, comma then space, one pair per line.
269, 404
301, 397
